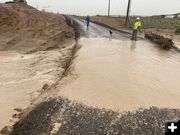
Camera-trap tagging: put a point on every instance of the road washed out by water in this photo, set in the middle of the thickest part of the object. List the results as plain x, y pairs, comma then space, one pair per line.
123, 75
109, 72
22, 77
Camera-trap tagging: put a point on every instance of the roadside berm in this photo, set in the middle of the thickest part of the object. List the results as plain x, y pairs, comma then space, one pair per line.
163, 42
35, 50
25, 29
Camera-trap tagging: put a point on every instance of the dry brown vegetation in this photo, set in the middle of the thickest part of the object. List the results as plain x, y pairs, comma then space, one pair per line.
155, 24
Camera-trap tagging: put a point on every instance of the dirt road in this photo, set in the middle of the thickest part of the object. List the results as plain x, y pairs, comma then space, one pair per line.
112, 73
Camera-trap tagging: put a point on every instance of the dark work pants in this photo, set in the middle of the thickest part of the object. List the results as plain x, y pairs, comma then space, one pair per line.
88, 23
134, 35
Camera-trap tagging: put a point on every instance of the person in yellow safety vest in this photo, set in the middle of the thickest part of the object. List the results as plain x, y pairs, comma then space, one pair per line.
136, 28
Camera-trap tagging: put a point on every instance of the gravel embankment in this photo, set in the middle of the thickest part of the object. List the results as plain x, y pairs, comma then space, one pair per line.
78, 119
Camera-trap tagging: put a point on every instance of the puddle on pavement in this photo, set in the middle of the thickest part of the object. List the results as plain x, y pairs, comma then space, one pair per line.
123, 75
21, 79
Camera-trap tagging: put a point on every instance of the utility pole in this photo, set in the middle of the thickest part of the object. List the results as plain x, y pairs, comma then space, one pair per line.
128, 10
109, 7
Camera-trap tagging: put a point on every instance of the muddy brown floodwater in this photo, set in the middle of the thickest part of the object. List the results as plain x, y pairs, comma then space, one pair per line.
123, 75
22, 77
177, 41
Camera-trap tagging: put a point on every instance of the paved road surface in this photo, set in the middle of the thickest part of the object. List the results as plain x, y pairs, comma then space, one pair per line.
95, 31
114, 73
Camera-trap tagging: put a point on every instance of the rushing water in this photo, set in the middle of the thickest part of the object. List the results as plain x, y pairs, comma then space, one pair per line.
22, 78
124, 75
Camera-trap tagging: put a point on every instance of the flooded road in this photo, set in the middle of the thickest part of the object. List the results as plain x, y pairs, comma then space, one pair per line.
124, 75
114, 73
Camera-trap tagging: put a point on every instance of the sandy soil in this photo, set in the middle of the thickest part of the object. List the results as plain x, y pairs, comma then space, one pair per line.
112, 22
25, 29
23, 77
177, 40
35, 48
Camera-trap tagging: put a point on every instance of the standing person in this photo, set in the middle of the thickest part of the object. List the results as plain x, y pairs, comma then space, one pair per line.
136, 28
88, 20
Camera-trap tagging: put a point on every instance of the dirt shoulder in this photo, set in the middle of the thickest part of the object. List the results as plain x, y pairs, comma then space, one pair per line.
119, 23
112, 22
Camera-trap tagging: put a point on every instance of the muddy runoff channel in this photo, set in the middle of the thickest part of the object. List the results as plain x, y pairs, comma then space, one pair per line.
109, 80
24, 77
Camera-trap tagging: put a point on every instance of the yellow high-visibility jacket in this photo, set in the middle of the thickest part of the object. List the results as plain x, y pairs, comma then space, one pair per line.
137, 25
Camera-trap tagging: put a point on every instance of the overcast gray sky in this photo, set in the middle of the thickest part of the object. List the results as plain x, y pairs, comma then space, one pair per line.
118, 7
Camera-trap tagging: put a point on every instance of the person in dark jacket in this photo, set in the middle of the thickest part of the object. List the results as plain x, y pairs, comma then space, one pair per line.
88, 20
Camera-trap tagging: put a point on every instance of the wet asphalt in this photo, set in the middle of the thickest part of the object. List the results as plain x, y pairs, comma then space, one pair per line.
96, 31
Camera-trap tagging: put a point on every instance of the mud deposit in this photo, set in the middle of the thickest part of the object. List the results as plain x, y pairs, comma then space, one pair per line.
35, 49
164, 43
77, 119
24, 77
177, 41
